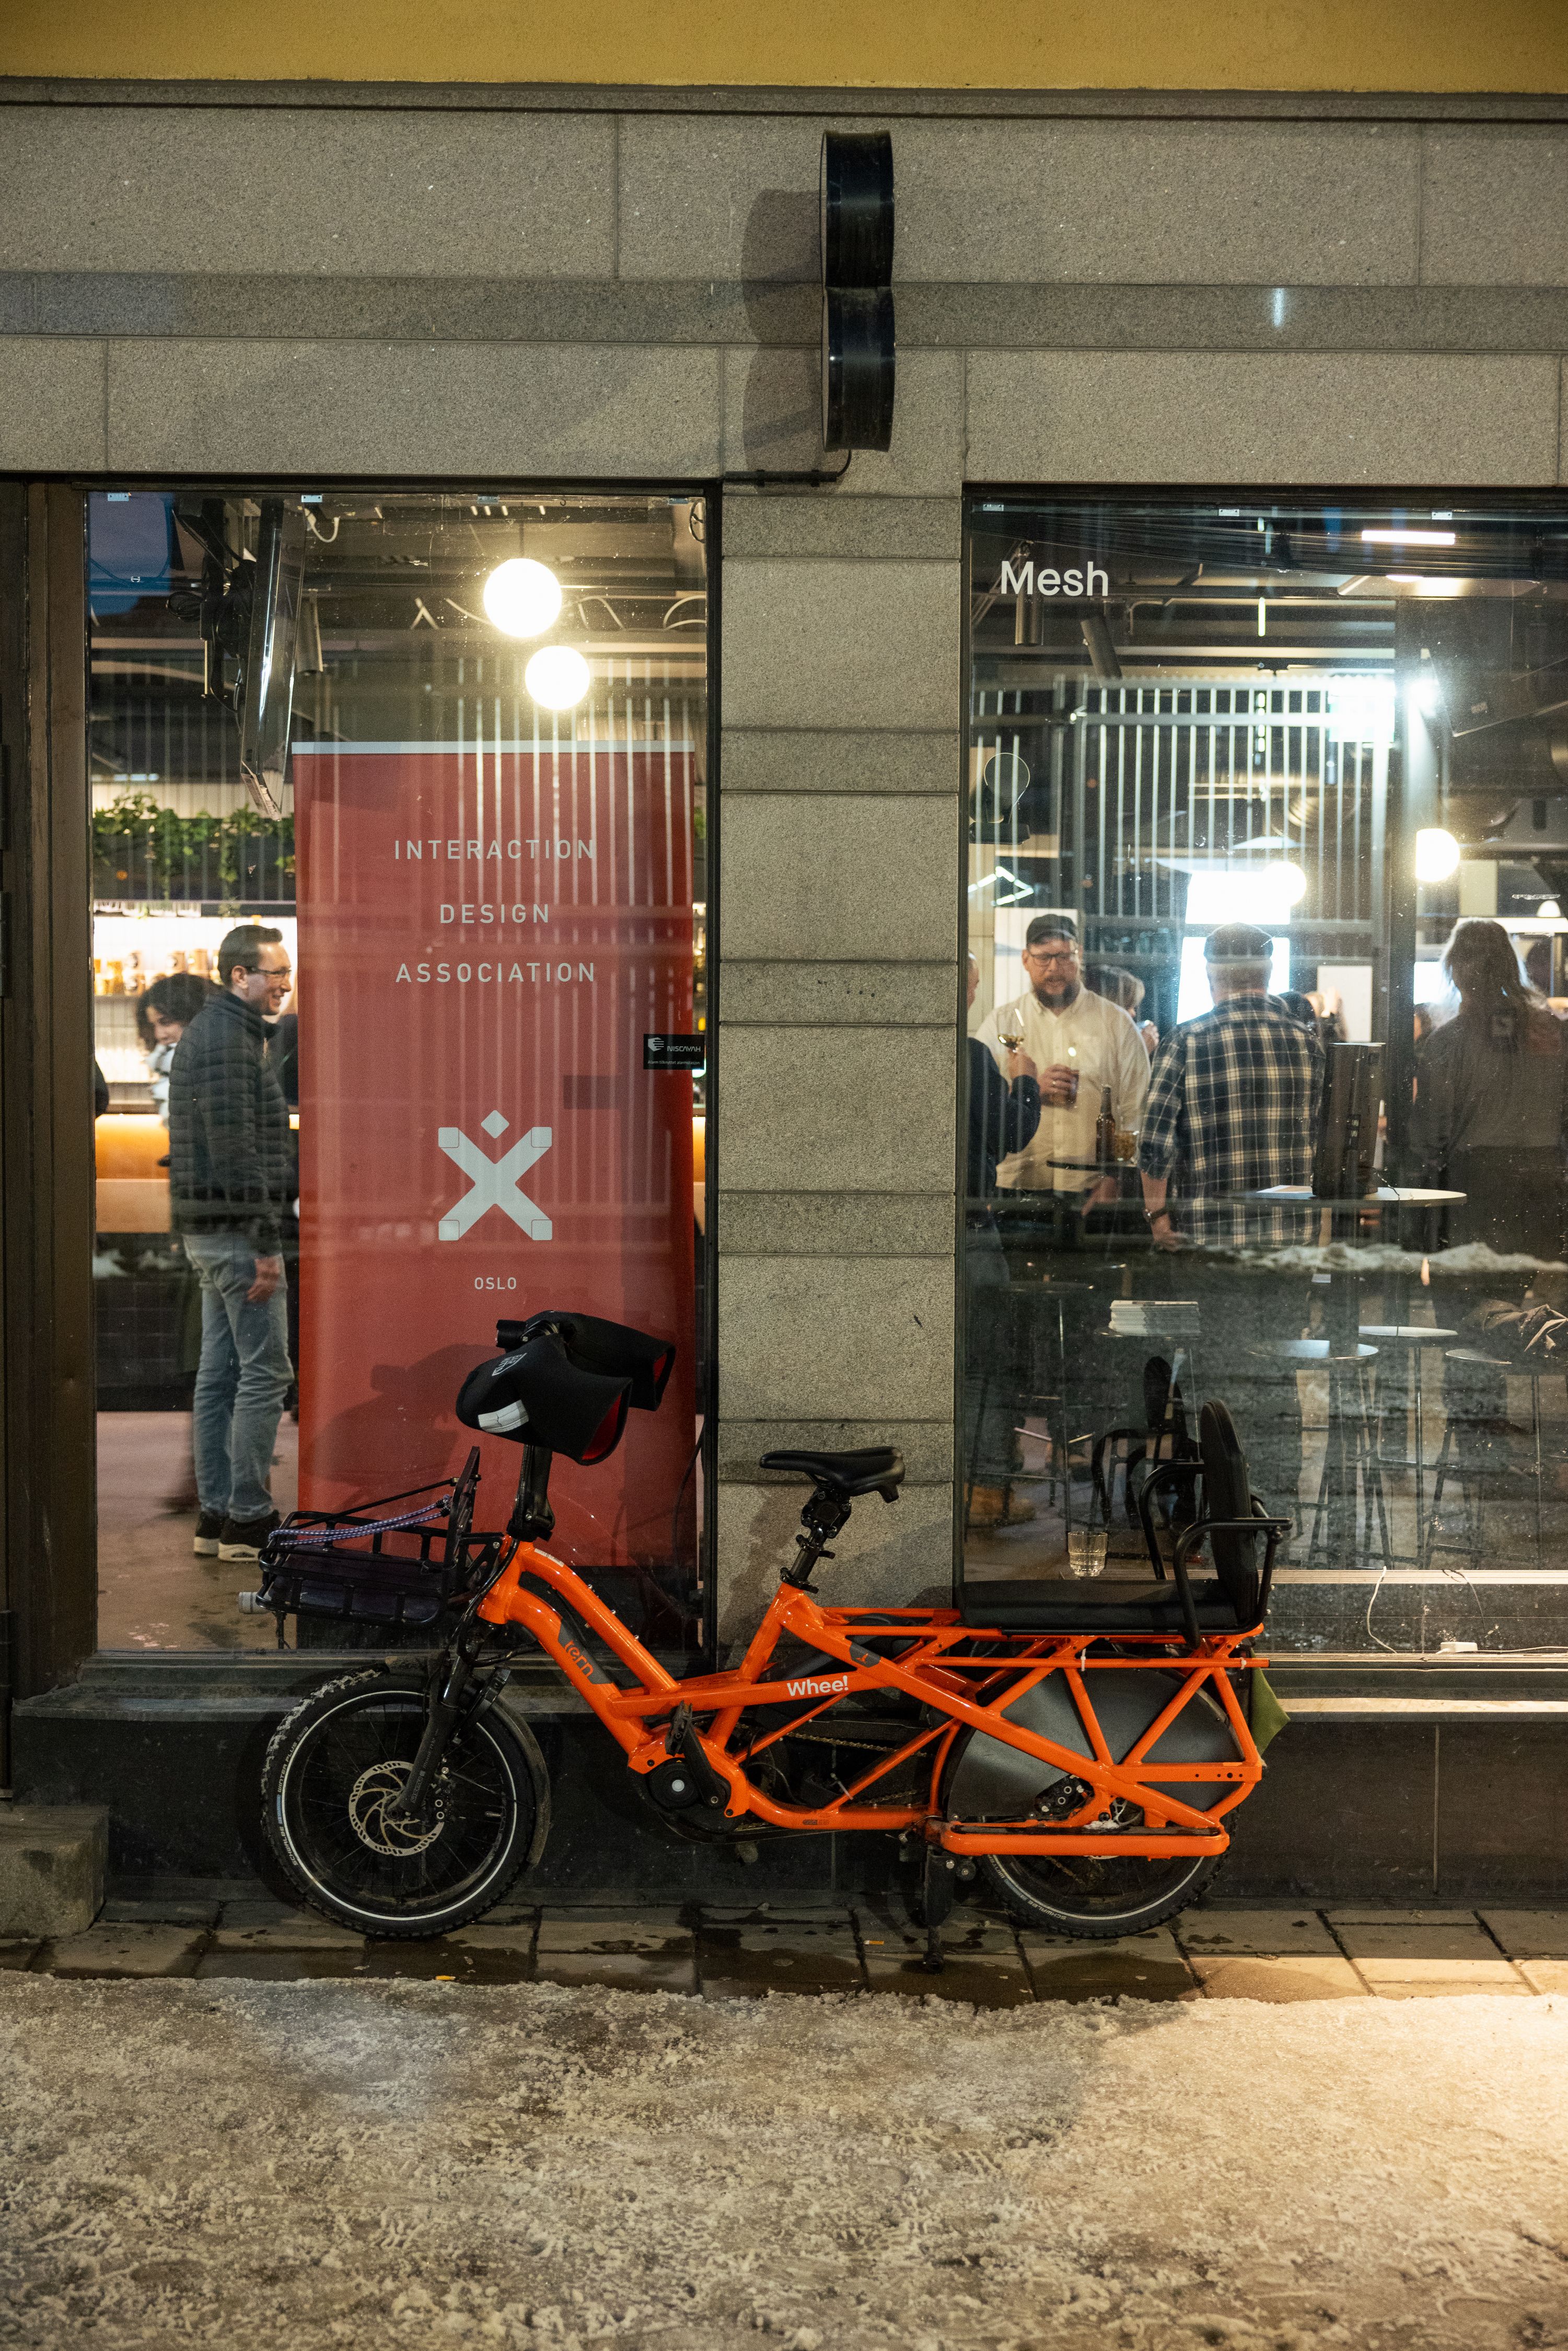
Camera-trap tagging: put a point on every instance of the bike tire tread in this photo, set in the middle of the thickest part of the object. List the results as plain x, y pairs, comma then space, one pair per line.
1099, 1930
280, 1745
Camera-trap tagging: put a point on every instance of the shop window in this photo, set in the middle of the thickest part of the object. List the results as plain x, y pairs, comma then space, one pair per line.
441, 760
1267, 866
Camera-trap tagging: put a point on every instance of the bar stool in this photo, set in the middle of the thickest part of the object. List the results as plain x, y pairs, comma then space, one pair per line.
1451, 1458
1409, 1341
1023, 1341
1350, 1486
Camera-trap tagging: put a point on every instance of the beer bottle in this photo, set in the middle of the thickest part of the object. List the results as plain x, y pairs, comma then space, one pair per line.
1105, 1130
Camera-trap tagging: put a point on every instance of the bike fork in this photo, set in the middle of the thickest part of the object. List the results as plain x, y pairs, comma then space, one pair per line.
440, 1720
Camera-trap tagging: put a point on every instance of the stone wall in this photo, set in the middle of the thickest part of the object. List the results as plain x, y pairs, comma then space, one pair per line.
625, 289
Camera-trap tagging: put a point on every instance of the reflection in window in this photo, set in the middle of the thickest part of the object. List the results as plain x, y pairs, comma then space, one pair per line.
1275, 792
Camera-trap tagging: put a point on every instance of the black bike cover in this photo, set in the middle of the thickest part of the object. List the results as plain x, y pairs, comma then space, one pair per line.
567, 1381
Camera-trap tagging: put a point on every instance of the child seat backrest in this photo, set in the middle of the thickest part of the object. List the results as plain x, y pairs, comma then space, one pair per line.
1227, 1494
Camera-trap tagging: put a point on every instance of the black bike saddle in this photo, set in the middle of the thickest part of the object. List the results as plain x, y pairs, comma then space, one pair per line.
875, 1470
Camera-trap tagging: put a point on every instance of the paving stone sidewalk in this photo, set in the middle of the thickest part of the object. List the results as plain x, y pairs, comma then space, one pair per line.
729, 1951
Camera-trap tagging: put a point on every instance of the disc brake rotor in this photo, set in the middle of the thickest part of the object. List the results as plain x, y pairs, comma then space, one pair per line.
368, 1801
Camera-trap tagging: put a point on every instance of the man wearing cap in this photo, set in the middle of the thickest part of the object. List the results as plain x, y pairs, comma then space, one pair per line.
1233, 1108
1233, 1105
1080, 1043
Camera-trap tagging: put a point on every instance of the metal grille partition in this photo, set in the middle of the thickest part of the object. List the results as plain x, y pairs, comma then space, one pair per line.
1127, 789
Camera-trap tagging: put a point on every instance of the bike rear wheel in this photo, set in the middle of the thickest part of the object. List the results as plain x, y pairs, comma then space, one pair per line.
1075, 1894
331, 1769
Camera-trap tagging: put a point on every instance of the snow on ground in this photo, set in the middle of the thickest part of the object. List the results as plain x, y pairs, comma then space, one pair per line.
358, 2165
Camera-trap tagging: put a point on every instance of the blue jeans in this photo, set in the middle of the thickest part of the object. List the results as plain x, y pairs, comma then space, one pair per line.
992, 1404
241, 1381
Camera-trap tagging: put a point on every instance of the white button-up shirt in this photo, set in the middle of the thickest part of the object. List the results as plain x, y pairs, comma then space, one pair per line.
1099, 1041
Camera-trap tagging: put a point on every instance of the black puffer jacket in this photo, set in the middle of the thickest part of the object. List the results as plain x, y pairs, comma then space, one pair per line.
229, 1164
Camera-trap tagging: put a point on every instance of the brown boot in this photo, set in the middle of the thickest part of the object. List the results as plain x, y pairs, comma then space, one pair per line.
998, 1505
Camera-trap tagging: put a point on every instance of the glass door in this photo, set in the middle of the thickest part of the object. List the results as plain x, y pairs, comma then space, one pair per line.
418, 780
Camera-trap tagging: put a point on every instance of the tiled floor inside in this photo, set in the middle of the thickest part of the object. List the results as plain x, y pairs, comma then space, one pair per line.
723, 1952
153, 1592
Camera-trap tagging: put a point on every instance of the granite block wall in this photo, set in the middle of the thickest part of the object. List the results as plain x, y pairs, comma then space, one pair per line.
623, 287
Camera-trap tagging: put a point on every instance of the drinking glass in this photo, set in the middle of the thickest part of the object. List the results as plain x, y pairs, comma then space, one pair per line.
1086, 1550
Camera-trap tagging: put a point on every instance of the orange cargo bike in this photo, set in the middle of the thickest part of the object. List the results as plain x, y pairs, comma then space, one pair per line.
1081, 1745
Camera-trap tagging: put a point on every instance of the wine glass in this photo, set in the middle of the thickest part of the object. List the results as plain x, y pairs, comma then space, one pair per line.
1009, 1032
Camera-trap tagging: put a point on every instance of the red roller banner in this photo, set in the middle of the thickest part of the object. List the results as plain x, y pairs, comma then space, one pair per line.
486, 935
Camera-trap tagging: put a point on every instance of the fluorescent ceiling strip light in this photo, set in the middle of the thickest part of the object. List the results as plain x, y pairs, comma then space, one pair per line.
1409, 537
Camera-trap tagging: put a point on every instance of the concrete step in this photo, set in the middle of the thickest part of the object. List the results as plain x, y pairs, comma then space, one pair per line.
53, 1861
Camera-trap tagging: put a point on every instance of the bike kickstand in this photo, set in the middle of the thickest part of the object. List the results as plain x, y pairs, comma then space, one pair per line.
937, 1893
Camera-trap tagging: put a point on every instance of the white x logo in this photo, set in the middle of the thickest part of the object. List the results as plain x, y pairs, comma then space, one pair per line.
494, 1181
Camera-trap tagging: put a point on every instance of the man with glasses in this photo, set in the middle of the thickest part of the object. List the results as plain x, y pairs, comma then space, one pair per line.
1080, 1043
230, 1181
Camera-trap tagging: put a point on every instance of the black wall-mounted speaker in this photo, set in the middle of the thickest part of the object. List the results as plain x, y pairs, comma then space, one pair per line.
859, 351
857, 367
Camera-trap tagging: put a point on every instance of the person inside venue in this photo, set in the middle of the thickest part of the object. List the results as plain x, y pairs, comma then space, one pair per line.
230, 1182
1234, 1107
163, 1013
1004, 1111
1491, 1102
1081, 1044
1126, 988
1490, 1089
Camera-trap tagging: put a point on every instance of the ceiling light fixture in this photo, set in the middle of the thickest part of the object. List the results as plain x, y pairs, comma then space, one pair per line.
1409, 537
1361, 709
558, 677
1436, 854
1224, 892
522, 597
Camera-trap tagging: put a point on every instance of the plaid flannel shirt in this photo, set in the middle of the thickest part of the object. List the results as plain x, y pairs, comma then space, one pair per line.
1233, 1107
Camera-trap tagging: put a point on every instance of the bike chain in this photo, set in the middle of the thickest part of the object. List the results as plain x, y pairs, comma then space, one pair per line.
826, 1738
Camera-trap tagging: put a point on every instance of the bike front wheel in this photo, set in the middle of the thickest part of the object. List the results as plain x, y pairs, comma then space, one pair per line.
332, 1769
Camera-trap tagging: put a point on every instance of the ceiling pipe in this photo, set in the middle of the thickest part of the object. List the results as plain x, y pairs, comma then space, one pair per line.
1102, 651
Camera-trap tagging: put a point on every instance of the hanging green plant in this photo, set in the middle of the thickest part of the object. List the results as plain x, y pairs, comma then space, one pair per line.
144, 849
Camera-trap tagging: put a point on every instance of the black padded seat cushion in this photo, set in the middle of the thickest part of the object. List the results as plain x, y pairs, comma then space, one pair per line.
875, 1469
1071, 1606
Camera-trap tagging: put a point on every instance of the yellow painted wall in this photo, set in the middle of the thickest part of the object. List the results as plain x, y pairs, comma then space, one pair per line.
1282, 45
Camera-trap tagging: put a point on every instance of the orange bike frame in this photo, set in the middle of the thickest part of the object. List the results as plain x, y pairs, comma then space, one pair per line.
964, 1675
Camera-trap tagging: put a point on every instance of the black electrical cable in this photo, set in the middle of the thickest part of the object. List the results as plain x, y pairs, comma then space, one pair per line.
815, 479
